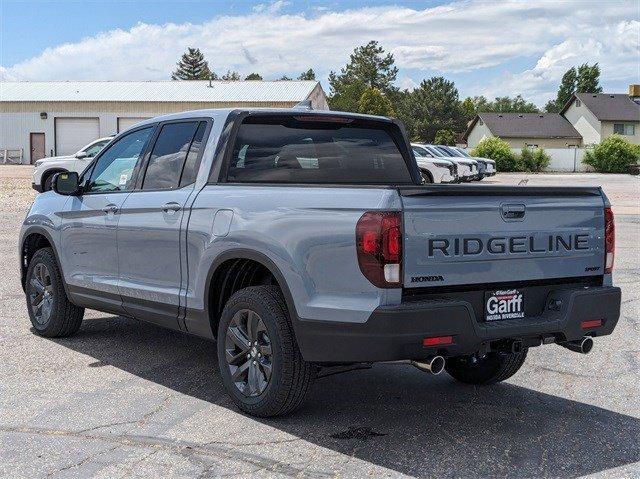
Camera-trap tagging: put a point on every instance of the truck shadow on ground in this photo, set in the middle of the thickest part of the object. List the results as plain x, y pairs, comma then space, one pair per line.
394, 416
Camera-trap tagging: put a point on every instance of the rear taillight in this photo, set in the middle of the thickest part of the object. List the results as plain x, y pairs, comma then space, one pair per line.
379, 246
609, 240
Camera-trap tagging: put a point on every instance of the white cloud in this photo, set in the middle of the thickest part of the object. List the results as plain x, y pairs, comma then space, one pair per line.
272, 7
464, 37
615, 47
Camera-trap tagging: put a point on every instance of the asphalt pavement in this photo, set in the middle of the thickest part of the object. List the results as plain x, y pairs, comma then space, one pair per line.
127, 399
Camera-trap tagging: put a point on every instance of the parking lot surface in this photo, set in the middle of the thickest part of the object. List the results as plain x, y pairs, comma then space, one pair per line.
127, 399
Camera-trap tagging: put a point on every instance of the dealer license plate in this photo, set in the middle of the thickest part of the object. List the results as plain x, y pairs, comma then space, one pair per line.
503, 304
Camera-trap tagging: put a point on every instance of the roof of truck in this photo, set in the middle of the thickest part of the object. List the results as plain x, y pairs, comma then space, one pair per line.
219, 113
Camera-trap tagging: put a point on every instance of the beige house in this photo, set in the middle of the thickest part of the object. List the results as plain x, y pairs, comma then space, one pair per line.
596, 116
543, 130
586, 119
39, 119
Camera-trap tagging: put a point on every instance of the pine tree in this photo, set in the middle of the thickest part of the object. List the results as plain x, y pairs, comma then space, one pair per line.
308, 75
368, 67
193, 66
231, 76
253, 76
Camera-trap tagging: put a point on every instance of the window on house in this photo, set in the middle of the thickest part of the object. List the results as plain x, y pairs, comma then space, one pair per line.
627, 129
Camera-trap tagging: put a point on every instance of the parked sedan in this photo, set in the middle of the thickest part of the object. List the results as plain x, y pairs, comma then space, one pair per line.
47, 167
434, 170
467, 168
486, 166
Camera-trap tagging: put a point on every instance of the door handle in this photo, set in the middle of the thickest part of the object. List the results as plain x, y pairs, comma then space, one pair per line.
173, 207
110, 209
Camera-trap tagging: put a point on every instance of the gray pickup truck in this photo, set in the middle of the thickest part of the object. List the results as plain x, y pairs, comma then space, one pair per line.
306, 244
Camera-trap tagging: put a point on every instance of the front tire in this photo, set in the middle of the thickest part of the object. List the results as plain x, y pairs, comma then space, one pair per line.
259, 360
48, 183
492, 368
50, 311
426, 177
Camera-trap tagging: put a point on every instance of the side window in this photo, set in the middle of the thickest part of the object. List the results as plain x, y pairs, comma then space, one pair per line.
96, 148
114, 169
168, 156
191, 165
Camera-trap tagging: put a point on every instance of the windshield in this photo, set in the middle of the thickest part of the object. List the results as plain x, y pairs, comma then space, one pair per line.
464, 153
452, 151
435, 152
444, 151
422, 152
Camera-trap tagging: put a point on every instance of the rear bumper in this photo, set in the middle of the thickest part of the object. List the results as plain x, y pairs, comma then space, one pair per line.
396, 332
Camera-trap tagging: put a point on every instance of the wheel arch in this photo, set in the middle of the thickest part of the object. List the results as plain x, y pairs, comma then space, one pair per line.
426, 172
218, 267
33, 239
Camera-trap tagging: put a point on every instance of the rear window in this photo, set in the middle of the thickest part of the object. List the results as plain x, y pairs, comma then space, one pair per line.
287, 150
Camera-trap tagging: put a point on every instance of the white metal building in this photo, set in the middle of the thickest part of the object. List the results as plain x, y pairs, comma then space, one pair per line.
57, 118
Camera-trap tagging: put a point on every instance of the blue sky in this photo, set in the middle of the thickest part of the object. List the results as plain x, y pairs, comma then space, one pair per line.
490, 48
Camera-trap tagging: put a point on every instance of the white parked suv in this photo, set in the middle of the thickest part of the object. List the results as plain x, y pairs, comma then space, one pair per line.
467, 168
47, 167
434, 170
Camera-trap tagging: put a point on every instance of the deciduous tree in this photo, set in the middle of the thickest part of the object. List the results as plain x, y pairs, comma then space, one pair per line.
373, 102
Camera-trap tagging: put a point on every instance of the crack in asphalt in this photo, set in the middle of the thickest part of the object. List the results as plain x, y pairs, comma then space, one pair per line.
84, 461
185, 448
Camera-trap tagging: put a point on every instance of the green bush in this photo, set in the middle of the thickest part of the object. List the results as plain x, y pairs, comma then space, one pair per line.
613, 155
500, 151
534, 161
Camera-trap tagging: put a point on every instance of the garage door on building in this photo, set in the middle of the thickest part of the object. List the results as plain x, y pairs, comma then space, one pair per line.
73, 133
126, 122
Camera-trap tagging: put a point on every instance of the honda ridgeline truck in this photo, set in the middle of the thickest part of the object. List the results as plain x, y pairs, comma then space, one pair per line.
305, 243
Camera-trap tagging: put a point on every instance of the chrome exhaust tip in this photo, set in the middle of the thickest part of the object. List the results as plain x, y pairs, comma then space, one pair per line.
433, 364
582, 346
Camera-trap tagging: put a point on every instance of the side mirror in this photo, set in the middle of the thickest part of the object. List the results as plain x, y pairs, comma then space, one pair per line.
66, 183
81, 154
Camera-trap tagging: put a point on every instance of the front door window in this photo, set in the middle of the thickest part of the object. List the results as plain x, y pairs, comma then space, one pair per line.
114, 169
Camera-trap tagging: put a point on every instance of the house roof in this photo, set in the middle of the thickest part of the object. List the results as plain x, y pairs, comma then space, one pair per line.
608, 106
158, 91
525, 125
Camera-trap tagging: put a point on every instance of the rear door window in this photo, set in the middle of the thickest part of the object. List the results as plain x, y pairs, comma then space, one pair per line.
168, 156
289, 150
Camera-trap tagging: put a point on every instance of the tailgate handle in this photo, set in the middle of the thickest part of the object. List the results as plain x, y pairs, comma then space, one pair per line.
513, 212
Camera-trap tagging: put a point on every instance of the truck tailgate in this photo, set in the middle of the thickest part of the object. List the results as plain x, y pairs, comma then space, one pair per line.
462, 235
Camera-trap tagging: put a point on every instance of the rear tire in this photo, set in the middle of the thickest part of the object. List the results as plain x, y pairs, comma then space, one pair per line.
259, 360
50, 311
493, 368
